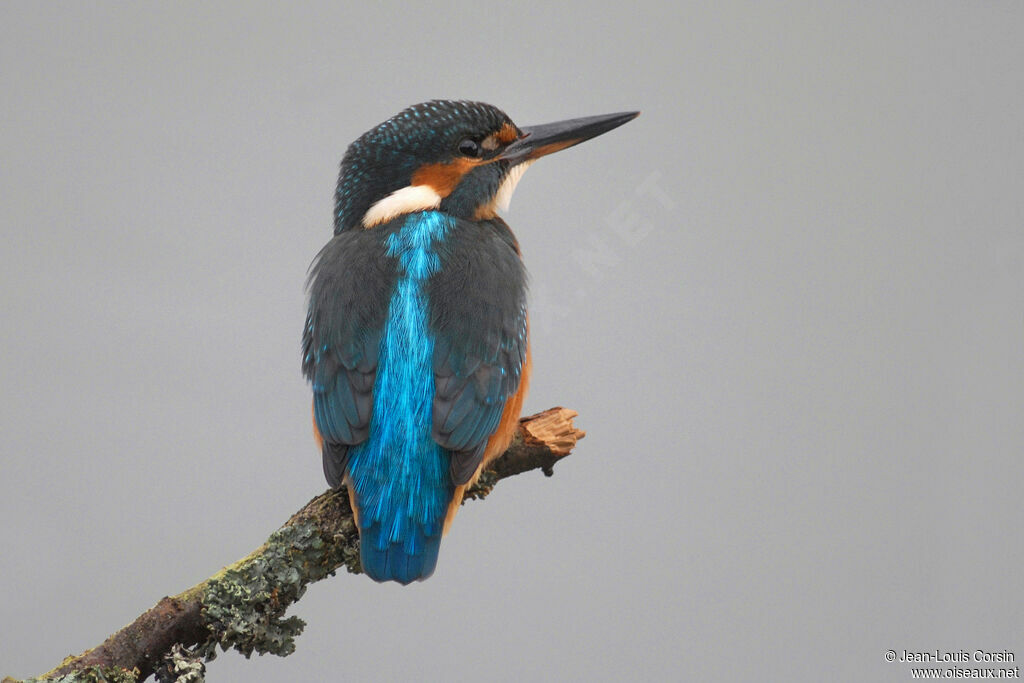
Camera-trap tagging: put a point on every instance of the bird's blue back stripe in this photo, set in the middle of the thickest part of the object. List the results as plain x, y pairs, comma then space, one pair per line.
400, 475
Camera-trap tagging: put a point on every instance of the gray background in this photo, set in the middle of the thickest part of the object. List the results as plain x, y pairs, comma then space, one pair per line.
787, 302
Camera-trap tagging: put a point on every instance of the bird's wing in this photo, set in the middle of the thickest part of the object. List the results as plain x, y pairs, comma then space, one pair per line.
350, 284
478, 317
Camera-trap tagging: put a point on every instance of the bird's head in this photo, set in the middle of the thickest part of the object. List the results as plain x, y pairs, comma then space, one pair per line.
463, 158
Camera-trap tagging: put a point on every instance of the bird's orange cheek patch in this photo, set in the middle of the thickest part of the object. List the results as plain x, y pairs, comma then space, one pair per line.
444, 177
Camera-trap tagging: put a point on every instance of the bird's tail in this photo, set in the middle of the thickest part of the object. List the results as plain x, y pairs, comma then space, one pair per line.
411, 559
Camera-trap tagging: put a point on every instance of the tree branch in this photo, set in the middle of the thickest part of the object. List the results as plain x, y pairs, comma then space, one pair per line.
243, 605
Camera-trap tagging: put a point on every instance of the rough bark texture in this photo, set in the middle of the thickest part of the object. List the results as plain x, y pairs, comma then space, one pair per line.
242, 606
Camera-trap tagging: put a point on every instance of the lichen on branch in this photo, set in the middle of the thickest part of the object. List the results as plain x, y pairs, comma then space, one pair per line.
243, 606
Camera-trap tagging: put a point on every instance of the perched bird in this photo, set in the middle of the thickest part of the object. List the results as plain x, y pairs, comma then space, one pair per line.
416, 337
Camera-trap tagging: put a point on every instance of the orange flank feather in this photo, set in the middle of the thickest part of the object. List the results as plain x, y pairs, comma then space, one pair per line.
351, 499
501, 437
316, 430
486, 212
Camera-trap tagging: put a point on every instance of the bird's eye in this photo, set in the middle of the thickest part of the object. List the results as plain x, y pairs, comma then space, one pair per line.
469, 148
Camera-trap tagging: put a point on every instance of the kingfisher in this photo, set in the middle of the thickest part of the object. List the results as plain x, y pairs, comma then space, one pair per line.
416, 339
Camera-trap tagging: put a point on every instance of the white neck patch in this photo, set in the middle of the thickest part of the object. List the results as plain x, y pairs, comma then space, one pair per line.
503, 197
406, 200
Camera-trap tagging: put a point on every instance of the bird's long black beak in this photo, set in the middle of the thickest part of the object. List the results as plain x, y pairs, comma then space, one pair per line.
546, 138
